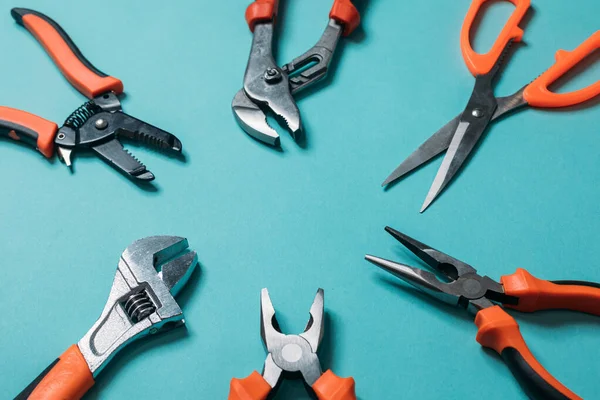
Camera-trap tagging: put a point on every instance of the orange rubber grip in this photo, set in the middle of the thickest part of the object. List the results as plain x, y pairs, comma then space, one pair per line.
500, 332
481, 64
344, 12
254, 387
23, 126
331, 387
536, 294
261, 11
69, 378
90, 81
537, 93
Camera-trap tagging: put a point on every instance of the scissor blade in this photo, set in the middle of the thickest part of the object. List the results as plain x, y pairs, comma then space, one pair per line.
463, 142
433, 146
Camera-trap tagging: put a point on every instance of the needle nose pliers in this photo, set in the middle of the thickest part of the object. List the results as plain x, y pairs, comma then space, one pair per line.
269, 87
292, 355
97, 124
480, 296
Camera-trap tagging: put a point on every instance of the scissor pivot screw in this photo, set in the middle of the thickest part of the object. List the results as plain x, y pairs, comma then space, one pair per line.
272, 75
477, 113
101, 123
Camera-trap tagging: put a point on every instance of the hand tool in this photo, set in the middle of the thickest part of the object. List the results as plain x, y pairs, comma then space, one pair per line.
98, 124
479, 295
269, 87
141, 302
292, 356
459, 136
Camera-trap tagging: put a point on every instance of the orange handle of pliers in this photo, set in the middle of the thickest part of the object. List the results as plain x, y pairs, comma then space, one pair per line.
90, 81
344, 12
23, 126
536, 294
481, 64
253, 387
500, 332
261, 11
68, 378
331, 387
537, 93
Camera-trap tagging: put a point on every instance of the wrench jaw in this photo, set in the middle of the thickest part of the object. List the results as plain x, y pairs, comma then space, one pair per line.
253, 120
141, 299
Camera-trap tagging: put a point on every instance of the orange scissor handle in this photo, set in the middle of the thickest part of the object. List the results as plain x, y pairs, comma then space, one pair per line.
500, 332
344, 12
537, 93
254, 387
68, 377
331, 387
23, 126
90, 81
481, 64
536, 294
261, 11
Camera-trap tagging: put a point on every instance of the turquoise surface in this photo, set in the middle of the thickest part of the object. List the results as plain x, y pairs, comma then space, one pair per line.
302, 218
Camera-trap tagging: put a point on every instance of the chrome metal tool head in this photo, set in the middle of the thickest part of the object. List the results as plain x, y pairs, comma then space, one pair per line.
291, 354
463, 286
150, 273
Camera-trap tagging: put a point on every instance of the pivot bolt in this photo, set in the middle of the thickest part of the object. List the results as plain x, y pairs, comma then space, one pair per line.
477, 113
101, 123
272, 75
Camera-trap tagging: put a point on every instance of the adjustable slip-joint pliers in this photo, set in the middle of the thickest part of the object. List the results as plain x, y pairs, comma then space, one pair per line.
141, 302
269, 87
479, 295
290, 356
97, 124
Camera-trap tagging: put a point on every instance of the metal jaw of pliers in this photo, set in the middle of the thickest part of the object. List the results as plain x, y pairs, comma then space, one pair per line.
483, 297
150, 273
268, 87
98, 125
292, 356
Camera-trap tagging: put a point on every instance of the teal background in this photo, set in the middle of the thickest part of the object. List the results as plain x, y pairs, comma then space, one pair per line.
301, 218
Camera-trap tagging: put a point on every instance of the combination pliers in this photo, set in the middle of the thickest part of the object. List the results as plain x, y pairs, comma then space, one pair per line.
480, 296
98, 124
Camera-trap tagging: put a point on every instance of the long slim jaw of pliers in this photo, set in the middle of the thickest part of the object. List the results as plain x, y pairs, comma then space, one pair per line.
300, 73
464, 287
98, 125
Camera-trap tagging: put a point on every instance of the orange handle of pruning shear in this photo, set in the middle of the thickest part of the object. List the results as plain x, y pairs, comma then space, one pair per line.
537, 93
23, 126
261, 11
344, 12
253, 387
500, 332
74, 66
68, 377
536, 294
331, 387
481, 64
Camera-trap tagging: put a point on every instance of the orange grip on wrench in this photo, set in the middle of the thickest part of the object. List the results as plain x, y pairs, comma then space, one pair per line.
23, 126
254, 387
481, 64
344, 12
74, 66
68, 378
500, 332
261, 11
536, 294
331, 387
537, 93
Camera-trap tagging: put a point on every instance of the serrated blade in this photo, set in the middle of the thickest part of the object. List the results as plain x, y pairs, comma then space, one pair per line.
114, 154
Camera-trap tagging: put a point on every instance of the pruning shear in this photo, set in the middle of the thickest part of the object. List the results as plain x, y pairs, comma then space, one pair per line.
459, 136
98, 124
269, 87
479, 295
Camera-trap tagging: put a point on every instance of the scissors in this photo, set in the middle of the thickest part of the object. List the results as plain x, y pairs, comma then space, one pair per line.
459, 136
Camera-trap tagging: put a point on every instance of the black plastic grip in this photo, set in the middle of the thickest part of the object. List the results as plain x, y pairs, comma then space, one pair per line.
531, 382
24, 395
